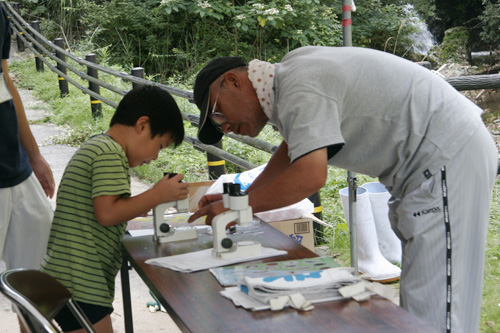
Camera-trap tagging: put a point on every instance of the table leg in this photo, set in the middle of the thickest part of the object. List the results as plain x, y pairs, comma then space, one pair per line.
127, 304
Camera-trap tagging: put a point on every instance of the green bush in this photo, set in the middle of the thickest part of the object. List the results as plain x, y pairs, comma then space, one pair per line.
455, 46
490, 22
177, 37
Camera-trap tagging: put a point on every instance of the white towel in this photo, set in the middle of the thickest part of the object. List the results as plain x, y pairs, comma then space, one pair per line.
320, 285
302, 290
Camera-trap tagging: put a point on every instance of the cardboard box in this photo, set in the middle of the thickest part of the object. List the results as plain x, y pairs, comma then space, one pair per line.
196, 191
300, 230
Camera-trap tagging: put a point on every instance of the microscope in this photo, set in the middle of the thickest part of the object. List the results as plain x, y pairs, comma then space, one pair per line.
241, 213
163, 231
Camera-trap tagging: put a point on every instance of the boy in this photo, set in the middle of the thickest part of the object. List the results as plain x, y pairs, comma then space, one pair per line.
94, 202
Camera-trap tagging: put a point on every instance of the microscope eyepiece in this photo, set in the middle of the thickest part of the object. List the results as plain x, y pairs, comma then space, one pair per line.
235, 190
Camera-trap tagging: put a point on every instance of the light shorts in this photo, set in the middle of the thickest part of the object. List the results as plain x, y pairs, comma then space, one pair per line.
25, 220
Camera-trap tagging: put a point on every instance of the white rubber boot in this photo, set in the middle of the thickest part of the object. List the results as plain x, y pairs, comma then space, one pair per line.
389, 244
370, 259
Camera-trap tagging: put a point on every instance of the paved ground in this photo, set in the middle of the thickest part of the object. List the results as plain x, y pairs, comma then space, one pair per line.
58, 156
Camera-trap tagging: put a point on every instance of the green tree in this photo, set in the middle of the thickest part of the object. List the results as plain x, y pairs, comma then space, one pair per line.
490, 23
176, 37
383, 25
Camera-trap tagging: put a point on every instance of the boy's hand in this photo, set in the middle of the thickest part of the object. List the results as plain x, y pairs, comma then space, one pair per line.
172, 189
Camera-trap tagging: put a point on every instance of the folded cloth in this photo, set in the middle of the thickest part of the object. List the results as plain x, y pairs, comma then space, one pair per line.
318, 286
200, 260
300, 291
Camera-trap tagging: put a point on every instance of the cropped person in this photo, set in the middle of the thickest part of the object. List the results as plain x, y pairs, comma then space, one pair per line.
373, 113
26, 179
94, 201
25, 176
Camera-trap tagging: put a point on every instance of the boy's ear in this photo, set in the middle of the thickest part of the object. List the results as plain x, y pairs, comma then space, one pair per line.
142, 123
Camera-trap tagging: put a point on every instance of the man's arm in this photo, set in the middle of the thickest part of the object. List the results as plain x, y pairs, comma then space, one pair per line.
280, 187
278, 162
289, 185
39, 165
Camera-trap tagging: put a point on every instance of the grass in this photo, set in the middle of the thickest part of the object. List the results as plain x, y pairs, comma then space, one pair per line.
490, 310
73, 113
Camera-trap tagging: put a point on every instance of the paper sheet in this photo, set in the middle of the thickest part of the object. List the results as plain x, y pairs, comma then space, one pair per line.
200, 260
141, 232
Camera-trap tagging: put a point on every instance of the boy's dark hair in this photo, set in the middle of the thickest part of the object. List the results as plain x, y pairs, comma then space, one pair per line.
155, 103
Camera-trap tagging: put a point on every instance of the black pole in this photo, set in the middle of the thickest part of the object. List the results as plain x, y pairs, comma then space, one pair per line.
216, 165
137, 72
63, 84
127, 302
318, 228
38, 62
96, 105
20, 44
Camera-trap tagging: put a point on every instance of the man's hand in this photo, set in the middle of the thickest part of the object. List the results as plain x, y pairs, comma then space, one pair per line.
208, 199
211, 210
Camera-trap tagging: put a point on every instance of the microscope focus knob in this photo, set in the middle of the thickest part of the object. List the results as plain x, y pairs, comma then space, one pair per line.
164, 227
226, 243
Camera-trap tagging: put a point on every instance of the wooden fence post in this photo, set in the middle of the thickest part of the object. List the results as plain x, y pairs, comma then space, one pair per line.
20, 44
96, 105
63, 84
137, 72
216, 165
38, 62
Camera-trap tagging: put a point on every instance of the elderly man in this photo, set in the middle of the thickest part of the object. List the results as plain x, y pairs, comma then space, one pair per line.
374, 113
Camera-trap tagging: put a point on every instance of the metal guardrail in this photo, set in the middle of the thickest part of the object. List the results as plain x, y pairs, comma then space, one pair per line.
44, 50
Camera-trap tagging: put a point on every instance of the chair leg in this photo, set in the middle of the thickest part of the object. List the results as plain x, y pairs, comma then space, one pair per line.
26, 324
80, 315
23, 325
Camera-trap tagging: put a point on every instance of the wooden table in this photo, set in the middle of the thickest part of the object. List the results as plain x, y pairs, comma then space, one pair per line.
194, 303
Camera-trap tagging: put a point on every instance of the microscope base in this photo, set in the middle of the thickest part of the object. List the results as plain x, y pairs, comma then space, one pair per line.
178, 234
240, 249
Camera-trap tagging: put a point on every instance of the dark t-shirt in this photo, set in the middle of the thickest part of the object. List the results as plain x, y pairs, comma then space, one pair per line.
14, 164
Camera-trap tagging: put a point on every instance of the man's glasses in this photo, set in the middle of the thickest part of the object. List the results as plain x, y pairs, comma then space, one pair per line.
217, 118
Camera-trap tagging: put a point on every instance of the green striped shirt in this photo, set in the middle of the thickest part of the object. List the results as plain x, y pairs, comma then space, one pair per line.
83, 255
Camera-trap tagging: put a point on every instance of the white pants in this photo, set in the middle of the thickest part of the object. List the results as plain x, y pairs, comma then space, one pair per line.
443, 226
25, 219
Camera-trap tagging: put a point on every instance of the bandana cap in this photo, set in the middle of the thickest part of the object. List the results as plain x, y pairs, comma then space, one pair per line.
207, 133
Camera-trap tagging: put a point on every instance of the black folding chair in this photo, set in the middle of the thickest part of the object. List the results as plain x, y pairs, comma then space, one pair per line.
39, 297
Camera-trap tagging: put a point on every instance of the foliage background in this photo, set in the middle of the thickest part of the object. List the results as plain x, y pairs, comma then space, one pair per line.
176, 37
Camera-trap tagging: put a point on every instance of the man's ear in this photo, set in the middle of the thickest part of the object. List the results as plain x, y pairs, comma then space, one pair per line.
141, 124
233, 79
